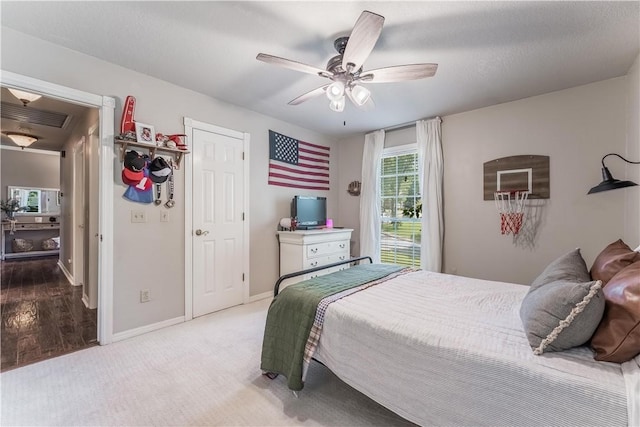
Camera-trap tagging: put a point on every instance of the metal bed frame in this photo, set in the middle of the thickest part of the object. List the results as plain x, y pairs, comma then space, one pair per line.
284, 277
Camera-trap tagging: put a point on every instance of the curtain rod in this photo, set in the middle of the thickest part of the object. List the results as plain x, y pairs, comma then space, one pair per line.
408, 124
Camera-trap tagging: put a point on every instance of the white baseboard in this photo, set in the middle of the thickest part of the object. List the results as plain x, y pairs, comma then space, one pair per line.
144, 329
66, 273
170, 322
85, 300
259, 297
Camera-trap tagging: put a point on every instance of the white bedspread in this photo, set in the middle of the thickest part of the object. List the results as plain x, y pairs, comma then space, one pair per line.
447, 350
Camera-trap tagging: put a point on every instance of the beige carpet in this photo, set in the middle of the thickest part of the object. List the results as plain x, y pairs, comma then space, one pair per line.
203, 372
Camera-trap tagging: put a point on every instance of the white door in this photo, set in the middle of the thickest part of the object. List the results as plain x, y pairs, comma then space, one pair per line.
218, 181
78, 261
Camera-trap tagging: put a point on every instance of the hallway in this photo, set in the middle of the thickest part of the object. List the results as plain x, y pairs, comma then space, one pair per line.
43, 316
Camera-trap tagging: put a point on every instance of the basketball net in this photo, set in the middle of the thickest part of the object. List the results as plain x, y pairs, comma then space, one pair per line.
510, 206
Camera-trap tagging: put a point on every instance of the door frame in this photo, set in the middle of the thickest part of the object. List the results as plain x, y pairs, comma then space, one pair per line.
78, 192
106, 153
189, 126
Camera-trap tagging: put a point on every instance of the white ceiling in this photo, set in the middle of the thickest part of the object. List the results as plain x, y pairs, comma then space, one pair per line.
488, 52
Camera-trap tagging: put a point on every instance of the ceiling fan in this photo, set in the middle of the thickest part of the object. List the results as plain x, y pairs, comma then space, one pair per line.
345, 69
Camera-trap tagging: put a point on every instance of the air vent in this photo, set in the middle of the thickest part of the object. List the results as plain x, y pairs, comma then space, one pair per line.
34, 116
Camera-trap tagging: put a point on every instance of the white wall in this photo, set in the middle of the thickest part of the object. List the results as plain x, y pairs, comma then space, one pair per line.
150, 255
575, 127
350, 166
28, 169
632, 195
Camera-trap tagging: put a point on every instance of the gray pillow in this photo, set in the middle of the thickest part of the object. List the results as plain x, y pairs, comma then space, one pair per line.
570, 267
563, 307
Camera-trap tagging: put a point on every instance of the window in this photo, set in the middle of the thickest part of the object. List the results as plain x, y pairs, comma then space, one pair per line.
401, 207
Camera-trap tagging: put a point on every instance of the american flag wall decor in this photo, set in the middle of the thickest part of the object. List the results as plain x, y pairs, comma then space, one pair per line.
297, 164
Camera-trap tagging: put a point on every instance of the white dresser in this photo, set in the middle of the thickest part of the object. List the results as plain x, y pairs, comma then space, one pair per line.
303, 249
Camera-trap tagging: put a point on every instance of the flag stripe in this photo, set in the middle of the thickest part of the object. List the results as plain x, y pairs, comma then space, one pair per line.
321, 147
274, 165
312, 166
318, 181
302, 169
313, 159
304, 150
298, 164
294, 185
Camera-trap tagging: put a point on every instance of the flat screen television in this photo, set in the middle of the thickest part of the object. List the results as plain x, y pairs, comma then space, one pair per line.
310, 211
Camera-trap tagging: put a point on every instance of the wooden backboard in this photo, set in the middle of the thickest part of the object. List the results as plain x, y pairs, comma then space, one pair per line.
526, 172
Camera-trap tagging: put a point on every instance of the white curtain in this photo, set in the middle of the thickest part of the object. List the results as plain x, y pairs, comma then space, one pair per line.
370, 196
430, 169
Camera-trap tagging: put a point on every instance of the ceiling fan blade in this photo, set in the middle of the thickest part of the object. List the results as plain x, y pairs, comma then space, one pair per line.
309, 95
399, 73
363, 38
293, 65
367, 106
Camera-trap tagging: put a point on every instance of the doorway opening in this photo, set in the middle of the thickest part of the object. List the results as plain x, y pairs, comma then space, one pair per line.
85, 219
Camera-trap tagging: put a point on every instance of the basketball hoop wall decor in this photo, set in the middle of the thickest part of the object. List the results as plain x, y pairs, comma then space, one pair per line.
510, 206
510, 182
527, 172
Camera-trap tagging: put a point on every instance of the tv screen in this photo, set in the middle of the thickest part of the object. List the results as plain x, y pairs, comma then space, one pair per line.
311, 212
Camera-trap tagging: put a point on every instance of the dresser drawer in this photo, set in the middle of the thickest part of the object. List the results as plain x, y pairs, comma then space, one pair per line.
327, 271
324, 260
327, 248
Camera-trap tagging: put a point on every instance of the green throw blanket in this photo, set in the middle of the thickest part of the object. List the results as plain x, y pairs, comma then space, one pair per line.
292, 313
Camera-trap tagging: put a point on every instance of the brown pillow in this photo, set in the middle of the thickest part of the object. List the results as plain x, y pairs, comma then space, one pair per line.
617, 338
611, 260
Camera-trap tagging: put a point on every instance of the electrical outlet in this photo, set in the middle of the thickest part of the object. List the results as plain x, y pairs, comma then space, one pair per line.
145, 295
164, 215
138, 216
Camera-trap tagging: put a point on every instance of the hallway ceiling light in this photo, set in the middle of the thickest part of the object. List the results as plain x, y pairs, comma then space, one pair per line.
22, 140
25, 97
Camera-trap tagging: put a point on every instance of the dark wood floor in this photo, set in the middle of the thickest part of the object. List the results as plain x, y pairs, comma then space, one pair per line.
43, 316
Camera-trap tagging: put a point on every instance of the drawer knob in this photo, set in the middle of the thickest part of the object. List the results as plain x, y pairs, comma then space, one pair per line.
314, 250
313, 264
342, 245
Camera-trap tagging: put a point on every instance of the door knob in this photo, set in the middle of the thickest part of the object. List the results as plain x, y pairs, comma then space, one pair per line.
201, 233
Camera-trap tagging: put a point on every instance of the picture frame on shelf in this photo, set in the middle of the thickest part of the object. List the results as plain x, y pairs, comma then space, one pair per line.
145, 133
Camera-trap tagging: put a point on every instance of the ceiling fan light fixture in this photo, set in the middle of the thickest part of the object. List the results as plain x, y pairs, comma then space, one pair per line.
22, 140
337, 105
25, 97
360, 95
335, 91
346, 69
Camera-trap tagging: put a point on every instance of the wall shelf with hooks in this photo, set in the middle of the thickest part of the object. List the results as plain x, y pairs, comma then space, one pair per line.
124, 144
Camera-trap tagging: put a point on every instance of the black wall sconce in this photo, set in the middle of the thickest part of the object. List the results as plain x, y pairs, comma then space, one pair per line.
608, 181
